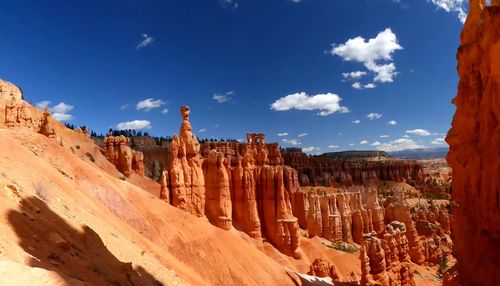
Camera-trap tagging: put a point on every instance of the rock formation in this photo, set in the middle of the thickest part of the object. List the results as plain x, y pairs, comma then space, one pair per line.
328, 172
118, 151
217, 194
322, 268
164, 192
47, 127
385, 260
188, 189
474, 154
9, 90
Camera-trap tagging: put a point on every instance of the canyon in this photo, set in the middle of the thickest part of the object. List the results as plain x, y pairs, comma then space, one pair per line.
77, 209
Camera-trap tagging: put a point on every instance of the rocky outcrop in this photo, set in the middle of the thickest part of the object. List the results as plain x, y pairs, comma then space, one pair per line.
240, 184
322, 268
118, 151
385, 259
47, 126
164, 192
10, 91
328, 172
474, 154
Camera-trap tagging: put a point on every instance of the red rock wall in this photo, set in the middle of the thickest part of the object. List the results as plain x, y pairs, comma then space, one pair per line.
118, 151
474, 155
325, 171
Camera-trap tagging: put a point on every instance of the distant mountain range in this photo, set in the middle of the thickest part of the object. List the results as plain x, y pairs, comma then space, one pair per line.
414, 154
421, 153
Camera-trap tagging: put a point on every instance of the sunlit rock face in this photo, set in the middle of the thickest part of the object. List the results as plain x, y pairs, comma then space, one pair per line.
118, 151
474, 154
328, 172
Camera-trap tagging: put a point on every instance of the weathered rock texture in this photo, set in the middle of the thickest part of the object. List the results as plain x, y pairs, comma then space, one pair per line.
427, 229
260, 187
385, 259
9, 90
328, 172
322, 268
118, 151
474, 154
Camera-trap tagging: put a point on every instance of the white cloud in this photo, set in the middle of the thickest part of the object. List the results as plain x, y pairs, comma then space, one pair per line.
453, 6
293, 142
438, 141
165, 111
371, 52
202, 130
418, 132
326, 103
392, 122
296, 1
357, 85
351, 144
146, 41
357, 121
60, 111
363, 142
406, 136
333, 146
376, 143
384, 136
370, 85
62, 107
134, 125
353, 75
310, 149
374, 115
283, 134
149, 103
223, 97
340, 134
303, 134
124, 106
43, 104
232, 4
398, 145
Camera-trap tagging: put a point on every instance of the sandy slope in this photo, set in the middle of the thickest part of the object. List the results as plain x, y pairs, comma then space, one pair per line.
64, 209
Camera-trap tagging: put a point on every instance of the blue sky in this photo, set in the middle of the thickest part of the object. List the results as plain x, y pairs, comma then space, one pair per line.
307, 70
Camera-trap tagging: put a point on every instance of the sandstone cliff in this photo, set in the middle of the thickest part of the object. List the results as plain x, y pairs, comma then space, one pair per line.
474, 154
327, 171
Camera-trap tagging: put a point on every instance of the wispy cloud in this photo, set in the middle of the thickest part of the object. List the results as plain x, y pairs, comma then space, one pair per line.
223, 97
229, 4
149, 103
202, 130
418, 132
392, 122
363, 142
134, 125
303, 134
357, 121
124, 106
373, 115
452, 6
325, 103
333, 146
398, 145
165, 111
146, 41
438, 141
283, 134
293, 142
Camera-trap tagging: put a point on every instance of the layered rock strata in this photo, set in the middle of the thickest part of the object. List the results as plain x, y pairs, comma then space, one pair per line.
328, 172
474, 154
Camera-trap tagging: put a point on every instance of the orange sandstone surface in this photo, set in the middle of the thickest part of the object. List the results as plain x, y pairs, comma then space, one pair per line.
474, 149
74, 213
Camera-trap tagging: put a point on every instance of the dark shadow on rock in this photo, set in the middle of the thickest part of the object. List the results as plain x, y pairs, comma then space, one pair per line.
58, 247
